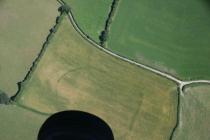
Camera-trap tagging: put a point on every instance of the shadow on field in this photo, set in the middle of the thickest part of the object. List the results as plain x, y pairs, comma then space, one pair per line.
75, 125
207, 2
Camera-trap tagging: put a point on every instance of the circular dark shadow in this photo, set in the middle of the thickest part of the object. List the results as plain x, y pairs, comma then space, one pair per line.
75, 125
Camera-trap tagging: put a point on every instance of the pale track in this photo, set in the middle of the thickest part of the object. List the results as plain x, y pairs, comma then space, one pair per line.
180, 83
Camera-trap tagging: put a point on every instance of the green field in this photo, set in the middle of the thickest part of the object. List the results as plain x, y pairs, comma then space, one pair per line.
172, 36
19, 124
24, 25
90, 15
74, 75
195, 114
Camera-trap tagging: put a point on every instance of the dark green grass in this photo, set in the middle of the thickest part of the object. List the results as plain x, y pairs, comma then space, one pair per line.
194, 121
90, 15
24, 25
173, 36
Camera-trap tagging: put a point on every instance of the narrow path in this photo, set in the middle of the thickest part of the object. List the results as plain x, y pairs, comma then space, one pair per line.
185, 83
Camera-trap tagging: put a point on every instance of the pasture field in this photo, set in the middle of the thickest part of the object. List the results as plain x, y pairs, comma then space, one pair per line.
19, 124
24, 25
195, 114
90, 15
172, 36
75, 75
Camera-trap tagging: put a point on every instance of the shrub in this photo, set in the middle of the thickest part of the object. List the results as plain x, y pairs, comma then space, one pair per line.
58, 19
4, 99
64, 8
103, 37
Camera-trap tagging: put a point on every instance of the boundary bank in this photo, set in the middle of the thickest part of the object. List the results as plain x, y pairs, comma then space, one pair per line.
105, 32
53, 30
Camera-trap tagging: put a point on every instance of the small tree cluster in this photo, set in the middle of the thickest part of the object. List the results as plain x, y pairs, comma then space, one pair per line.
64, 8
4, 99
58, 19
103, 37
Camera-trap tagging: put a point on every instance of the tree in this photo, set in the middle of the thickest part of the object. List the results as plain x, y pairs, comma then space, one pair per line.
64, 8
58, 19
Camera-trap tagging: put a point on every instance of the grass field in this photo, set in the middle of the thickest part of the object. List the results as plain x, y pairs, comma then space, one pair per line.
24, 25
74, 75
19, 124
90, 15
195, 114
172, 36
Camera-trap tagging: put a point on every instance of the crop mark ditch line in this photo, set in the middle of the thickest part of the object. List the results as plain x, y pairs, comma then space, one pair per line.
32, 110
70, 71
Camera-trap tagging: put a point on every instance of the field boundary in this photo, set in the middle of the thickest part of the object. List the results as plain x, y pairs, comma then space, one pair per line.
32, 110
179, 89
181, 93
22, 83
105, 32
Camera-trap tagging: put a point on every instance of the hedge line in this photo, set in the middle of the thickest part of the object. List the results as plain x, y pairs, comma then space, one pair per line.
105, 33
4, 99
63, 11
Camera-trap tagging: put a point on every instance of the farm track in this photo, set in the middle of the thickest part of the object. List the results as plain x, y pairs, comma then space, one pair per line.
181, 84
156, 71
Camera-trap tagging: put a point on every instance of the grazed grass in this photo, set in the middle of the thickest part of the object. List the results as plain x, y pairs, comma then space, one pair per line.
19, 124
195, 114
172, 36
90, 15
24, 25
74, 75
